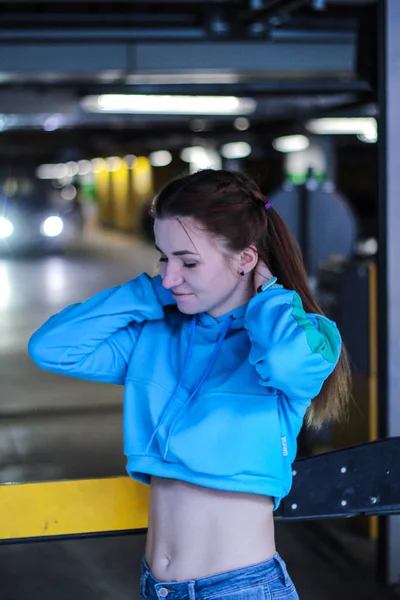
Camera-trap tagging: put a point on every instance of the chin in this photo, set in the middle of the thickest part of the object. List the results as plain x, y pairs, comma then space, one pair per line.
190, 308
188, 311
194, 306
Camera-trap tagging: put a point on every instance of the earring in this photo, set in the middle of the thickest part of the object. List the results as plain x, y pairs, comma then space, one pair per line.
242, 273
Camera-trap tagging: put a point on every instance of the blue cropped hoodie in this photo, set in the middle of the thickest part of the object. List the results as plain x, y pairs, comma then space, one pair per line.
217, 402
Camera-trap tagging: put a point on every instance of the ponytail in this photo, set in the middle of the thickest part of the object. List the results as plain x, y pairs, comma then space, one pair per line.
282, 255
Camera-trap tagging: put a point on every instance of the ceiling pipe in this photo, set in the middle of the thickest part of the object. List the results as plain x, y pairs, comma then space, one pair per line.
275, 9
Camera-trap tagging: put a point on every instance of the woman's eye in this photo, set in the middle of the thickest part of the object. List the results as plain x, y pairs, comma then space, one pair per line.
187, 265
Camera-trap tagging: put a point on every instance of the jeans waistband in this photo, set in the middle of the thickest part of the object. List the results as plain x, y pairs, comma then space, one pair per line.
194, 589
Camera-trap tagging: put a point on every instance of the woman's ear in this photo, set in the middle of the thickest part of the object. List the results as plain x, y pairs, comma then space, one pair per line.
248, 259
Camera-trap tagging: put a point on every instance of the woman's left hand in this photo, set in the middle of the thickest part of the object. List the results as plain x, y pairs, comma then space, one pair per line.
261, 274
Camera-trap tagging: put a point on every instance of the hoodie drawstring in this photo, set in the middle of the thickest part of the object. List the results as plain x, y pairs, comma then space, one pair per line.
211, 362
185, 368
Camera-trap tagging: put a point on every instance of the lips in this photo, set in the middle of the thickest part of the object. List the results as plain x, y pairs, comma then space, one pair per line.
176, 294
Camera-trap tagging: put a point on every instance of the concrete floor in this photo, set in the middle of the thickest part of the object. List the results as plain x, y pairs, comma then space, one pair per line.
53, 427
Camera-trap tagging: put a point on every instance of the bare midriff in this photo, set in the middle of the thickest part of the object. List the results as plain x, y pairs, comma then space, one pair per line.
196, 531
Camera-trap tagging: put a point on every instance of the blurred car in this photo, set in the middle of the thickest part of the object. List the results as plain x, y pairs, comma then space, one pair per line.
34, 216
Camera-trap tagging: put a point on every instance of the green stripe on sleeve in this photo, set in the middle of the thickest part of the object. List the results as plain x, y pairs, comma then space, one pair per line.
325, 340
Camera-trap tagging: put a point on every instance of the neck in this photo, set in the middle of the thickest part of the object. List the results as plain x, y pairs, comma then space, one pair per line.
239, 296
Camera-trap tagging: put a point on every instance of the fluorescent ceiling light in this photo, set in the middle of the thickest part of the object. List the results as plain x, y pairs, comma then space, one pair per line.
73, 168
114, 163
160, 158
193, 153
45, 172
236, 150
241, 124
201, 158
84, 167
130, 160
52, 171
168, 105
68, 192
343, 126
291, 143
98, 165
52, 122
189, 77
369, 137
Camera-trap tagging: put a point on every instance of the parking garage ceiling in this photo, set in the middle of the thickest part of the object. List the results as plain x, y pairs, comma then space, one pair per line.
295, 58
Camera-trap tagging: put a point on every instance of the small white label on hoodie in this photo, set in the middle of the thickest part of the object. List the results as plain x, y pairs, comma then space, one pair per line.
284, 447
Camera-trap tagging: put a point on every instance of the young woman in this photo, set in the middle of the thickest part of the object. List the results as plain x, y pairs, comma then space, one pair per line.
222, 356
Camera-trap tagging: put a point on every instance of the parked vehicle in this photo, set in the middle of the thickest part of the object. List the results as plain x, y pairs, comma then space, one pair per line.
35, 215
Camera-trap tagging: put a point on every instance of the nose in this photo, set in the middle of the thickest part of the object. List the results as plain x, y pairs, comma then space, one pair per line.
171, 278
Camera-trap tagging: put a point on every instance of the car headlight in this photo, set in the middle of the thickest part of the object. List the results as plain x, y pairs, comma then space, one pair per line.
6, 228
52, 226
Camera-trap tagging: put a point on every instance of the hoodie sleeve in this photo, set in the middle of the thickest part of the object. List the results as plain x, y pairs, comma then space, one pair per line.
292, 351
95, 339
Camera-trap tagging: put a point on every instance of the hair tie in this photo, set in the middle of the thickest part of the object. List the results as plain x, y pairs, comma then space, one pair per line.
268, 205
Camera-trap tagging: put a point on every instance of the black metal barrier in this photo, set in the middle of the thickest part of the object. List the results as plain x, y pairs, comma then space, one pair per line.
360, 480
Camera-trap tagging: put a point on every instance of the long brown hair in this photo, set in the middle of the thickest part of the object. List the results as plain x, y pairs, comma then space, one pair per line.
231, 206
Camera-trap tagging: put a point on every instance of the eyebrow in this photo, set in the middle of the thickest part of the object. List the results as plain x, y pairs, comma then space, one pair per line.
178, 253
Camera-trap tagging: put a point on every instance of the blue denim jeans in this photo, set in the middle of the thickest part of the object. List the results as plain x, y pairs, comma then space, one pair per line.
268, 580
